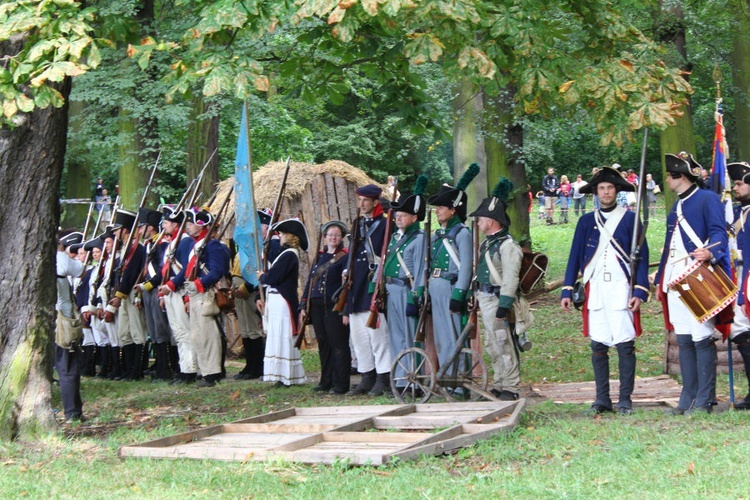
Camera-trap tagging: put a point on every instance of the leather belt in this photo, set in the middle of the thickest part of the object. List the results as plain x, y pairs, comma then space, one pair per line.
395, 281
487, 288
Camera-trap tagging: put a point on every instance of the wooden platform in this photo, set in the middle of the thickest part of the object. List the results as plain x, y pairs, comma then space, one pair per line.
661, 390
361, 435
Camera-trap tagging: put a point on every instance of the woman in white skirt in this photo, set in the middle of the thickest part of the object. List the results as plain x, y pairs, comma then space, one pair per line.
282, 363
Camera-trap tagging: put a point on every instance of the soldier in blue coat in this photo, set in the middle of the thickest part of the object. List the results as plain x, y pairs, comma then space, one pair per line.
450, 264
602, 252
371, 346
404, 275
696, 232
739, 333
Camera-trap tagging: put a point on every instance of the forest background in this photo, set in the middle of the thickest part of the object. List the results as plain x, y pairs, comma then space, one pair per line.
391, 86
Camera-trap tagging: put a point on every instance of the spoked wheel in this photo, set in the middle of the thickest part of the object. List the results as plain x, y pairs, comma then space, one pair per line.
471, 379
412, 376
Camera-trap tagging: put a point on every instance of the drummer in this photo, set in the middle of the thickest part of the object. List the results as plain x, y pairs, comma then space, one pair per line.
611, 315
739, 173
702, 237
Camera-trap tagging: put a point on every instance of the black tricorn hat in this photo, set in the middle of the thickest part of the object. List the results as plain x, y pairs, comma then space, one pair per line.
71, 239
414, 204
172, 215
295, 227
199, 216
684, 164
123, 218
739, 171
149, 216
448, 196
607, 174
97, 242
495, 205
265, 215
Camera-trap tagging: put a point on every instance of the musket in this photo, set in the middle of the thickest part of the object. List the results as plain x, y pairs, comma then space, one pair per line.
474, 306
306, 319
275, 214
347, 285
134, 229
378, 296
199, 251
639, 231
177, 209
88, 220
421, 331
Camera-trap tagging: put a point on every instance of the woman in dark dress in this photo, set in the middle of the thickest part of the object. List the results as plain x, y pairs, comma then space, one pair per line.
282, 363
330, 330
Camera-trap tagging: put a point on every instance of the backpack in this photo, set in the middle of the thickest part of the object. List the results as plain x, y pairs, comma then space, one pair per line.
533, 269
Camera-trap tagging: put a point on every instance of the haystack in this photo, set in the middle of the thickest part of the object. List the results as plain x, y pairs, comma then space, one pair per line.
315, 194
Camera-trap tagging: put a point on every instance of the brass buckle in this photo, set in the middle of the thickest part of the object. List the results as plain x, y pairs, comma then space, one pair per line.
436, 272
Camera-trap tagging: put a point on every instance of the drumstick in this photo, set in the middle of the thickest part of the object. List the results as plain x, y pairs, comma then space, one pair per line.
703, 248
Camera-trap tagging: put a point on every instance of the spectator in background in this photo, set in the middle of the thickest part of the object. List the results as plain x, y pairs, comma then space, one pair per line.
564, 191
633, 177
651, 194
706, 176
596, 200
579, 199
105, 206
540, 197
550, 186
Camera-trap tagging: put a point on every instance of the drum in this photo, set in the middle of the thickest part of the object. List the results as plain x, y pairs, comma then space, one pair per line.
705, 290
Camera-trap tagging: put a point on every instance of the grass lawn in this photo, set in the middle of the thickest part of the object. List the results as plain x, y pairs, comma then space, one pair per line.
555, 452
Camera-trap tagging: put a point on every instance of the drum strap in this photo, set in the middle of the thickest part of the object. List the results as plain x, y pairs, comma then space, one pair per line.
682, 221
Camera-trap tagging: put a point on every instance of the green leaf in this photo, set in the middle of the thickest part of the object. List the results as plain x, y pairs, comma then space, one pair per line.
25, 103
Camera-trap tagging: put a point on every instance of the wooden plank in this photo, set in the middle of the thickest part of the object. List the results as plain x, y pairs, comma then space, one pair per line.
343, 199
268, 417
280, 427
184, 437
349, 410
332, 201
375, 437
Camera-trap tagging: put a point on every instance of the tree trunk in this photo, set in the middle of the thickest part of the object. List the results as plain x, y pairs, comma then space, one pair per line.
202, 140
133, 177
468, 142
503, 144
670, 27
741, 78
78, 181
31, 163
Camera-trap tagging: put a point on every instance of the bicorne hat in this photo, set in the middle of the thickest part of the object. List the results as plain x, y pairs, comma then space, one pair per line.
123, 218
495, 206
414, 204
607, 174
739, 171
149, 216
684, 164
455, 197
293, 226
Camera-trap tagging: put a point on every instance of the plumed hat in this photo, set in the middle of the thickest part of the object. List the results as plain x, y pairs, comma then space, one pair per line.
199, 216
265, 216
415, 204
149, 216
495, 206
123, 218
370, 191
607, 174
455, 197
739, 171
684, 164
295, 227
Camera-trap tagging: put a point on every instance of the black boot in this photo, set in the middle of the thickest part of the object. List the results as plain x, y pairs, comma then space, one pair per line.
743, 345
600, 362
705, 354
115, 371
688, 371
626, 356
161, 355
140, 360
382, 384
244, 374
258, 352
365, 385
174, 360
89, 361
103, 360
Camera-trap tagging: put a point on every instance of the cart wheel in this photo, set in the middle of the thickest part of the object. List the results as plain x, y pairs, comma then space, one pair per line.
469, 361
412, 376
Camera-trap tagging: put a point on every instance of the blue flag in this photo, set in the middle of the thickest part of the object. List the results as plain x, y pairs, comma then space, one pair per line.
247, 232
